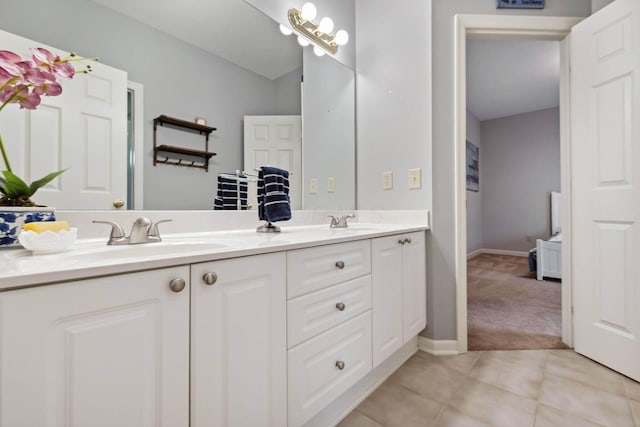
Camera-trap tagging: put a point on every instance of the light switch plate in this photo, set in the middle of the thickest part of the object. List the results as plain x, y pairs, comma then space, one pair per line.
331, 185
313, 186
387, 180
415, 178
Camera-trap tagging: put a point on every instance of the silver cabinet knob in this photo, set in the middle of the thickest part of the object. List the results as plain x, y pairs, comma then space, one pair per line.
210, 278
340, 365
340, 306
340, 264
177, 285
407, 240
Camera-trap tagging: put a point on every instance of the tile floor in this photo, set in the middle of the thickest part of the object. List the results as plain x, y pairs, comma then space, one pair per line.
501, 388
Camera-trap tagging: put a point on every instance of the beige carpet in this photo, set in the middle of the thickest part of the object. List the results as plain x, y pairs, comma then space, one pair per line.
508, 309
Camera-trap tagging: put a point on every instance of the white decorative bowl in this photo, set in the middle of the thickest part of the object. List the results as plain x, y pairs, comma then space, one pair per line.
48, 242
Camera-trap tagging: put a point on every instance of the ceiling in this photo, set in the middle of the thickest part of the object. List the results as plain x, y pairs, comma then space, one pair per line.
508, 77
230, 29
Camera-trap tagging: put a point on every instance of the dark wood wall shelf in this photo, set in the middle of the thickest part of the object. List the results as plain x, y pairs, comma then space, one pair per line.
174, 155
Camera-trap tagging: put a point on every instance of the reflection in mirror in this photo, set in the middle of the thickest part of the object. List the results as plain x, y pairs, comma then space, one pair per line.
193, 60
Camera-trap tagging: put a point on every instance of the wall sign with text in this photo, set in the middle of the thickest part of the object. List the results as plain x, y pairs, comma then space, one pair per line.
520, 4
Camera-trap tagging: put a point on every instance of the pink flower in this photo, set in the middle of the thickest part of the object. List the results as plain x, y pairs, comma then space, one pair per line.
48, 88
20, 94
9, 56
47, 61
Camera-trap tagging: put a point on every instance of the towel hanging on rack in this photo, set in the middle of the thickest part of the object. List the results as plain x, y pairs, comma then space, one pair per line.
232, 192
273, 194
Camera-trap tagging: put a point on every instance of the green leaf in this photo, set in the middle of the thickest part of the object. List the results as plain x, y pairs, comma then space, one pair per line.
35, 185
15, 187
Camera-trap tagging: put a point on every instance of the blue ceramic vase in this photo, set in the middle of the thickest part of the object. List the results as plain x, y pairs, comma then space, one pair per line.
12, 219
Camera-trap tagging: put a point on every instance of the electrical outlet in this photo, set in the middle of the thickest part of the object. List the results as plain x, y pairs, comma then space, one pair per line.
331, 185
313, 185
387, 180
415, 178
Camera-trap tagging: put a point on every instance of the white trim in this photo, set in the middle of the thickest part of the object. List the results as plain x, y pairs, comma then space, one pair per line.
504, 252
495, 26
138, 144
474, 253
438, 347
565, 187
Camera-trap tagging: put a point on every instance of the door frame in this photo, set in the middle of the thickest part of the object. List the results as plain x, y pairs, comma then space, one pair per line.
509, 27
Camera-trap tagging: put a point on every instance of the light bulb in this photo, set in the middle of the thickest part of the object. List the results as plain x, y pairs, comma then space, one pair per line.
326, 25
285, 30
302, 41
342, 37
309, 11
318, 51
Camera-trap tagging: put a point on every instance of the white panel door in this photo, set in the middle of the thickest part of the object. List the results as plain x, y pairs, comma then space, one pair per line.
275, 141
605, 63
414, 285
239, 343
104, 352
386, 275
84, 130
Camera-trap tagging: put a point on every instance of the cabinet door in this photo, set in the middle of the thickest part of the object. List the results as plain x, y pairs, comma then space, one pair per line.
238, 343
414, 285
387, 291
110, 351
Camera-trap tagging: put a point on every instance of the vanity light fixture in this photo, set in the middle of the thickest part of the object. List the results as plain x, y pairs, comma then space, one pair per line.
317, 34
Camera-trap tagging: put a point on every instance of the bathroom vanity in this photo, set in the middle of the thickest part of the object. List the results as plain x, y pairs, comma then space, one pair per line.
209, 329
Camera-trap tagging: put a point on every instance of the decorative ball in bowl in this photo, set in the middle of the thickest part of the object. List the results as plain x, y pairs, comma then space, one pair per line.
48, 242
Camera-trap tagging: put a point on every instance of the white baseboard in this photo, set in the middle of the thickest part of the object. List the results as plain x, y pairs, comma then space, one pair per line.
438, 347
497, 252
474, 253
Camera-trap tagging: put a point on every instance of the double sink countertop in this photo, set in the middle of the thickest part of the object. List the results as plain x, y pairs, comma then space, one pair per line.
93, 257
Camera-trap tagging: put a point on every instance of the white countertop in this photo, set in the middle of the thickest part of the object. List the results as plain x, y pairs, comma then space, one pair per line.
92, 257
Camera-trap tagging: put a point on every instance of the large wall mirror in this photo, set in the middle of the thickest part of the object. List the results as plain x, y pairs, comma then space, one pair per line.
221, 61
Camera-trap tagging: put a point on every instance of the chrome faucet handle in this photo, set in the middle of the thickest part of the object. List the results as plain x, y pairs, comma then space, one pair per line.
341, 222
117, 233
334, 221
153, 232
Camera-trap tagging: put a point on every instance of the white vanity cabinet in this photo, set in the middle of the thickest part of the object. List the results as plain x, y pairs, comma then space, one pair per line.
238, 342
329, 324
399, 292
103, 352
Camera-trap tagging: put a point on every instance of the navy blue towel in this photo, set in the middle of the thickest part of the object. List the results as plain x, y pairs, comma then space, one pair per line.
273, 194
229, 191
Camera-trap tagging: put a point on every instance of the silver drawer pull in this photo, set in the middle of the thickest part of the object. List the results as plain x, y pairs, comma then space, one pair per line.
407, 240
177, 285
340, 306
402, 242
340, 364
340, 264
210, 278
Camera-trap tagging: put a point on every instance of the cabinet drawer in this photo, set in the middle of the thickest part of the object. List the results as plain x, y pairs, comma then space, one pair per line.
315, 379
315, 268
319, 311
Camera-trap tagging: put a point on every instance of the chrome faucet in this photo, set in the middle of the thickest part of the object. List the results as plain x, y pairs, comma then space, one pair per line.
143, 231
340, 222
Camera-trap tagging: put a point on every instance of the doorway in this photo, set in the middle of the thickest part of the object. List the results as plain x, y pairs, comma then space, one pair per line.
513, 145
508, 27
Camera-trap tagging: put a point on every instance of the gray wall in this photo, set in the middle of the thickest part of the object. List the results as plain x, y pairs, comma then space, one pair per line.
328, 132
179, 80
441, 241
474, 199
521, 166
288, 94
599, 4
394, 102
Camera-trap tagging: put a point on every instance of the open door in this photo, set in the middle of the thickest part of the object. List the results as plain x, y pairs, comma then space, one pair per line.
605, 153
